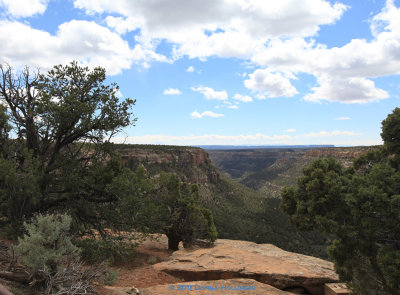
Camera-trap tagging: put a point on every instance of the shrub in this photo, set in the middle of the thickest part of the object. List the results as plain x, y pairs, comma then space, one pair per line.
47, 244
110, 276
110, 249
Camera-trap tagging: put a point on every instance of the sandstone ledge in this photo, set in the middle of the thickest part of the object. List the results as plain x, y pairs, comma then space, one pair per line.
205, 287
264, 263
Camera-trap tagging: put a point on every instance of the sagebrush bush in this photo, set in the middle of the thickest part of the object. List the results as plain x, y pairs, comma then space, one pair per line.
110, 276
47, 244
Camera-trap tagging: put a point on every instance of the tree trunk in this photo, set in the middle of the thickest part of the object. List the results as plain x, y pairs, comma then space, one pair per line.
173, 240
173, 244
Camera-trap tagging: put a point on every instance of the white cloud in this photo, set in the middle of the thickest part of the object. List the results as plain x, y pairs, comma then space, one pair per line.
346, 90
242, 98
235, 107
197, 115
350, 68
122, 25
278, 18
190, 69
279, 37
269, 84
332, 133
24, 8
210, 93
87, 42
323, 137
215, 27
206, 139
342, 118
172, 91
291, 130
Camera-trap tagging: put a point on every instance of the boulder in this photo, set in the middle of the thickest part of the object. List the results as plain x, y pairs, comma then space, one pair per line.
264, 263
232, 286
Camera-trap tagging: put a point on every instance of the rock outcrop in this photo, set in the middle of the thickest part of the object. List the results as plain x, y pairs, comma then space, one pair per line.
232, 286
264, 263
167, 155
193, 165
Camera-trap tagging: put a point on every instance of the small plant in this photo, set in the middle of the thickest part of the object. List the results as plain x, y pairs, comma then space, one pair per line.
110, 276
47, 244
152, 259
52, 258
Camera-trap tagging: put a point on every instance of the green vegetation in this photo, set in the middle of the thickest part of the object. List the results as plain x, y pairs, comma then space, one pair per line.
239, 212
56, 158
358, 206
47, 245
180, 214
52, 260
244, 214
56, 130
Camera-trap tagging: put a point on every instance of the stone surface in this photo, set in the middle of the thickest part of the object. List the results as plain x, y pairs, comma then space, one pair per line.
265, 263
336, 289
217, 287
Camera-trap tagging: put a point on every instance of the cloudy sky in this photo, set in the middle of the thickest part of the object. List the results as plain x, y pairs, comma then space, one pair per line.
226, 71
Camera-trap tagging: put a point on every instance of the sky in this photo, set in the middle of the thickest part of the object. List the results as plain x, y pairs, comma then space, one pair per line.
225, 72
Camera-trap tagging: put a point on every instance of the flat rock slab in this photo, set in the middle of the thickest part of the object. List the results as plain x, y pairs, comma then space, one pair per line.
264, 263
233, 286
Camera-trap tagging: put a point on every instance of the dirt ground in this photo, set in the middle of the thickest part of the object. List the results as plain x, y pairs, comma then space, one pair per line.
139, 272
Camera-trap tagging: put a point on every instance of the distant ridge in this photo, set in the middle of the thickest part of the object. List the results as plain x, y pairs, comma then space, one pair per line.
245, 147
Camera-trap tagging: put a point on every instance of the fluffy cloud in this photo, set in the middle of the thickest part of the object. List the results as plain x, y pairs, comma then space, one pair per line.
172, 91
24, 8
285, 17
342, 118
344, 74
197, 115
87, 42
242, 98
278, 37
291, 130
210, 93
190, 69
346, 90
223, 28
270, 84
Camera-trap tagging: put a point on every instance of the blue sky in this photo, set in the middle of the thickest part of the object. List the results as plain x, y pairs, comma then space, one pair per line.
225, 71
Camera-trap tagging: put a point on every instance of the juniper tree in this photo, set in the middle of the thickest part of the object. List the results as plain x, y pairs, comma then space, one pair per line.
55, 153
360, 208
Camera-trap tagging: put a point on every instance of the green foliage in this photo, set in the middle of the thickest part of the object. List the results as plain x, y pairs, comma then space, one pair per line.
238, 212
391, 131
47, 244
180, 214
110, 277
61, 156
111, 249
360, 208
19, 190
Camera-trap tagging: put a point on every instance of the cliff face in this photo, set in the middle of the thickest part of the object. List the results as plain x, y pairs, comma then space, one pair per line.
344, 155
239, 212
194, 157
191, 164
242, 164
